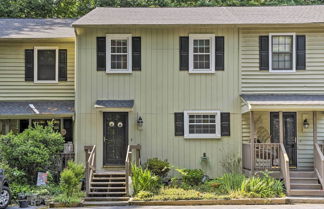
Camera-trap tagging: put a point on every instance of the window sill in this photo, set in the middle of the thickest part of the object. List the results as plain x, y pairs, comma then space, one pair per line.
201, 72
118, 72
202, 137
46, 82
282, 71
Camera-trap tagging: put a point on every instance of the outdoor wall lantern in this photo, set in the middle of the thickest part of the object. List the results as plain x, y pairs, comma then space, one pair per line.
305, 124
140, 122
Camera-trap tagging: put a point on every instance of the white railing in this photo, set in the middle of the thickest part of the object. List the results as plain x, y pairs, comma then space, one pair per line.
319, 163
284, 167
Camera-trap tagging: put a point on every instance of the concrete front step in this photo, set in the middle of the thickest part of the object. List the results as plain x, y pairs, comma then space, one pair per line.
306, 192
305, 186
107, 199
107, 178
110, 173
105, 203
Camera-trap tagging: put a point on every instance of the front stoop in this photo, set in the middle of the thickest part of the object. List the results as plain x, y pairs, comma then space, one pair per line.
305, 200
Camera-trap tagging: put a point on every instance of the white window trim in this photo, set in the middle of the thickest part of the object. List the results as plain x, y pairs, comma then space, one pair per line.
36, 48
202, 136
109, 37
293, 52
192, 37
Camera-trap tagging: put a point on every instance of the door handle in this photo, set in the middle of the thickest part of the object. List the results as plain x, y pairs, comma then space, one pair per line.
105, 139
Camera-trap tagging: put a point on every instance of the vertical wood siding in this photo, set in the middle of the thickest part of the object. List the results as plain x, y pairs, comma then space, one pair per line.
12, 73
309, 81
159, 90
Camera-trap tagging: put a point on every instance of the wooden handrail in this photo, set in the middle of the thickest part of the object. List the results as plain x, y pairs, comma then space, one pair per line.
128, 162
284, 167
319, 163
90, 164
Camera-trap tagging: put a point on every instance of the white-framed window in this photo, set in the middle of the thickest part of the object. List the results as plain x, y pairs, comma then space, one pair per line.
45, 64
201, 53
282, 52
202, 124
119, 48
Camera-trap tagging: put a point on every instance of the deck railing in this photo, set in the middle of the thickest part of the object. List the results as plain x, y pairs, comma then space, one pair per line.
266, 156
132, 151
319, 162
284, 167
90, 164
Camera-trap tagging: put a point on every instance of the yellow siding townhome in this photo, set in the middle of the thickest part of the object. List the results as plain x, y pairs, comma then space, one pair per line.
37, 74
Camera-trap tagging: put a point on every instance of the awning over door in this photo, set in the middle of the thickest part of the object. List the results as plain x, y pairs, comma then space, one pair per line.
281, 102
33, 108
115, 105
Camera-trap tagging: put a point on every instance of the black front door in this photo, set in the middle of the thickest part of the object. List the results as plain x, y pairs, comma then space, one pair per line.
115, 137
290, 136
289, 132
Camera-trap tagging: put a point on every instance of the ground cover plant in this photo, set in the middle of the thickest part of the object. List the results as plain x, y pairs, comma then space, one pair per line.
190, 185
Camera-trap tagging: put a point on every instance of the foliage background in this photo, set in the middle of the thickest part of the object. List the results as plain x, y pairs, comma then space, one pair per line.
77, 8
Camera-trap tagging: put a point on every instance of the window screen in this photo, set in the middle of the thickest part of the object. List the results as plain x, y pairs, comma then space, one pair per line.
282, 52
46, 65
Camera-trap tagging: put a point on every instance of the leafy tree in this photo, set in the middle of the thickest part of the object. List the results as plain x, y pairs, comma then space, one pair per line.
77, 8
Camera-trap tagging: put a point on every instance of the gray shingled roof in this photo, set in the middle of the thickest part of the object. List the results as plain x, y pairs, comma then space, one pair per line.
273, 99
41, 108
36, 28
203, 15
115, 103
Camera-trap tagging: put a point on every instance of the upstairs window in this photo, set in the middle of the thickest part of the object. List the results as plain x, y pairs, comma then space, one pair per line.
119, 47
202, 124
282, 53
201, 53
46, 64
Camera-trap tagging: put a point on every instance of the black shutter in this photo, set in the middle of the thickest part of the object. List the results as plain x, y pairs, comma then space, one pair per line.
219, 53
225, 124
179, 123
63, 65
101, 53
184, 53
29, 65
136, 53
300, 52
264, 52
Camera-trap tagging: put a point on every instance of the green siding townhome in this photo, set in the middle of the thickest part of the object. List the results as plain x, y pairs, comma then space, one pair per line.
193, 86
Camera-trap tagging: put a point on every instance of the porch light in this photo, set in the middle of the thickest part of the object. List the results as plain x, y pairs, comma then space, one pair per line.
305, 124
140, 122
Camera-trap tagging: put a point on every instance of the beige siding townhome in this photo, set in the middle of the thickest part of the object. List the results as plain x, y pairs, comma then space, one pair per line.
37, 74
282, 92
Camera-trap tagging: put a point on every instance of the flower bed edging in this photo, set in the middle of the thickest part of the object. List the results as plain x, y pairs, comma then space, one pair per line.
252, 201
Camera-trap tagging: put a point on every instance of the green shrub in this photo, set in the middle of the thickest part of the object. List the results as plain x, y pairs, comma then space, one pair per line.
70, 181
264, 187
158, 167
230, 182
144, 180
19, 188
191, 177
32, 151
13, 174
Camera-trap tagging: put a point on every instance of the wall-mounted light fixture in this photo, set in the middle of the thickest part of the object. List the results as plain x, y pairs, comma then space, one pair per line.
305, 124
139, 122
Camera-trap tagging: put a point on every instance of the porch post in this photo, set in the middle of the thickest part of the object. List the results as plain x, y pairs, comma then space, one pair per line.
281, 136
252, 136
315, 127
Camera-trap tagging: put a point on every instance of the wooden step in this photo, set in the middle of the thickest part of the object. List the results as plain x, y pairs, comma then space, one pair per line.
306, 186
107, 178
111, 173
105, 203
307, 174
97, 199
106, 193
306, 192
108, 183
107, 188
305, 180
